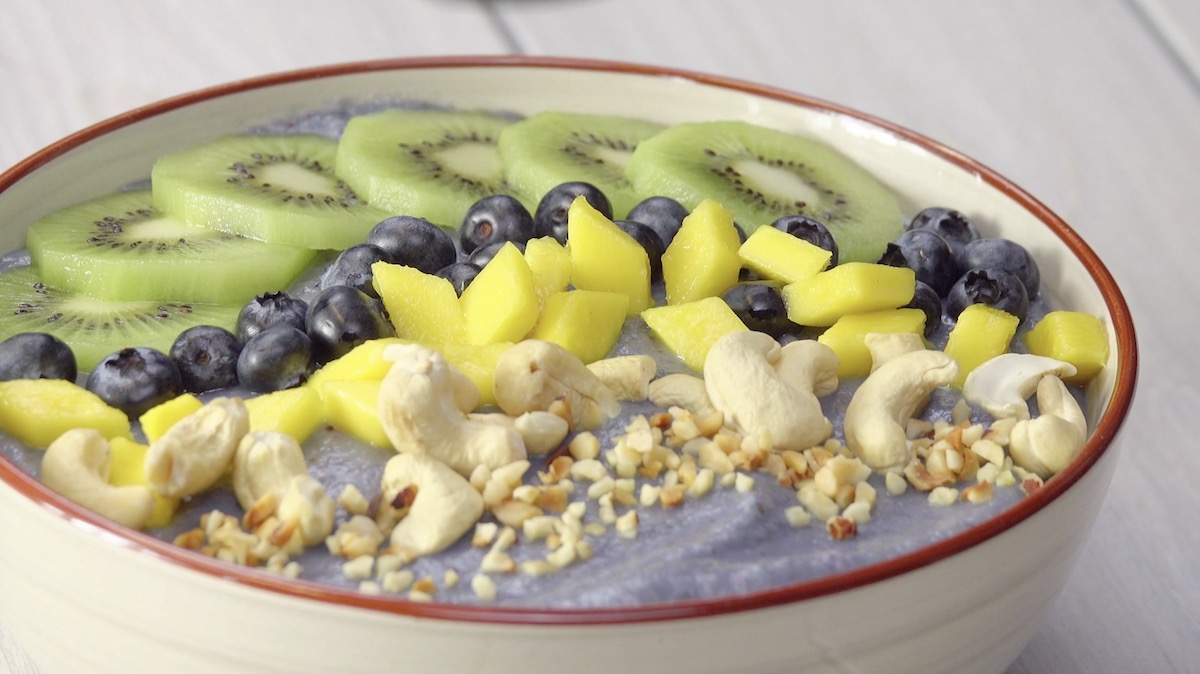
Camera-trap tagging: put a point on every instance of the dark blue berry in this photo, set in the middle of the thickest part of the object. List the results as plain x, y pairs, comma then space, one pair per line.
761, 308
927, 300
664, 215
947, 223
550, 218
998, 288
206, 356
460, 275
928, 255
36, 355
270, 310
810, 230
414, 242
1003, 254
498, 217
135, 379
353, 268
649, 242
341, 318
275, 359
484, 254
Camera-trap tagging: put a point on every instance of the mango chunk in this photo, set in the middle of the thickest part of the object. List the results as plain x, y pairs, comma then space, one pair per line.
980, 334
690, 329
364, 361
849, 288
775, 254
478, 363
36, 411
550, 263
295, 411
501, 304
847, 337
129, 468
605, 258
422, 307
702, 260
156, 420
1074, 337
585, 322
353, 408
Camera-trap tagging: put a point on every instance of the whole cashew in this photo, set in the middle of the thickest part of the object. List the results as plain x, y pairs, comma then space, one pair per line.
265, 461
444, 508
534, 374
542, 432
881, 407
194, 453
1045, 445
421, 414
628, 377
681, 390
758, 389
885, 346
77, 464
1003, 384
305, 502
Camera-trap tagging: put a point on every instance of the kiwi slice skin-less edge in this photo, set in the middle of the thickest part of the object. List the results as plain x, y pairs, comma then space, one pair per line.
550, 148
279, 189
761, 174
428, 164
119, 247
95, 328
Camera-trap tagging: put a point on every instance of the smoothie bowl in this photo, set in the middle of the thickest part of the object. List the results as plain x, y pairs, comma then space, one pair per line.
593, 453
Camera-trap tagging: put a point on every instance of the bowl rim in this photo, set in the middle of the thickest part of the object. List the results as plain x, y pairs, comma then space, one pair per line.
1098, 443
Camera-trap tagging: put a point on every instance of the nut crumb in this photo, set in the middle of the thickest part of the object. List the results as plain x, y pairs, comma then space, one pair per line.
797, 516
943, 496
484, 587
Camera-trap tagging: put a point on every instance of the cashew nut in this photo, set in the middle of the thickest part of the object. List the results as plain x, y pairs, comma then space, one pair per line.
265, 461
628, 377
194, 453
444, 508
1046, 444
77, 465
1002, 384
881, 407
542, 432
534, 375
681, 390
421, 413
305, 502
885, 346
745, 381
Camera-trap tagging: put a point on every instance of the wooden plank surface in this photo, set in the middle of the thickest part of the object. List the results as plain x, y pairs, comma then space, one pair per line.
1083, 103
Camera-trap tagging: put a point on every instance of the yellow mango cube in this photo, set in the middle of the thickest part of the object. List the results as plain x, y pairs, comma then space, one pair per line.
550, 263
605, 258
585, 322
689, 330
980, 334
353, 408
849, 288
128, 468
36, 411
478, 363
702, 260
501, 304
1074, 337
422, 307
774, 254
294, 411
364, 361
156, 420
847, 337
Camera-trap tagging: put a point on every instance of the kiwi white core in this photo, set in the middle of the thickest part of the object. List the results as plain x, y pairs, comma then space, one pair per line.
298, 179
611, 155
477, 161
165, 229
776, 182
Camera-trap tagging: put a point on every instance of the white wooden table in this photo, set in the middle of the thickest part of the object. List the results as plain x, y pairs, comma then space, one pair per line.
1092, 105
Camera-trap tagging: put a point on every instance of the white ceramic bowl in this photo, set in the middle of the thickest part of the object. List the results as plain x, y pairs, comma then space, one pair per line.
82, 594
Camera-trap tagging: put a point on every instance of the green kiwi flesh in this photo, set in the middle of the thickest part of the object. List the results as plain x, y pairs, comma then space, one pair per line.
119, 247
280, 189
550, 148
761, 174
425, 163
95, 328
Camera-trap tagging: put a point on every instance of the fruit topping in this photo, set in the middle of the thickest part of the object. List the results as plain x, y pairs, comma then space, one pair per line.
649, 242
662, 214
421, 307
459, 274
206, 356
947, 223
1076, 337
550, 218
926, 299
772, 253
36, 355
36, 411
585, 322
848, 336
992, 287
689, 329
501, 304
812, 231
928, 255
605, 258
277, 358
760, 307
414, 242
135, 379
495, 219
269, 310
981, 333
702, 260
1002, 254
352, 267
849, 288
340, 318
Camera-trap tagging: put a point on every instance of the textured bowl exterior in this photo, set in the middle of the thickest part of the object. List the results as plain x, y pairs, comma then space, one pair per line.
82, 594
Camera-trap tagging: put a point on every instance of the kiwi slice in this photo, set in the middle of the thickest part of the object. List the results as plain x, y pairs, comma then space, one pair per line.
761, 174
550, 148
95, 328
279, 189
119, 247
430, 164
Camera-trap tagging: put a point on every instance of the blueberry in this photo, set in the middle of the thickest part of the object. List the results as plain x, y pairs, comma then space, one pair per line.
269, 310
275, 359
928, 255
206, 356
36, 355
414, 242
353, 268
1003, 254
997, 288
498, 217
926, 299
649, 241
341, 318
484, 254
947, 223
664, 215
550, 218
135, 379
761, 308
810, 230
459, 274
